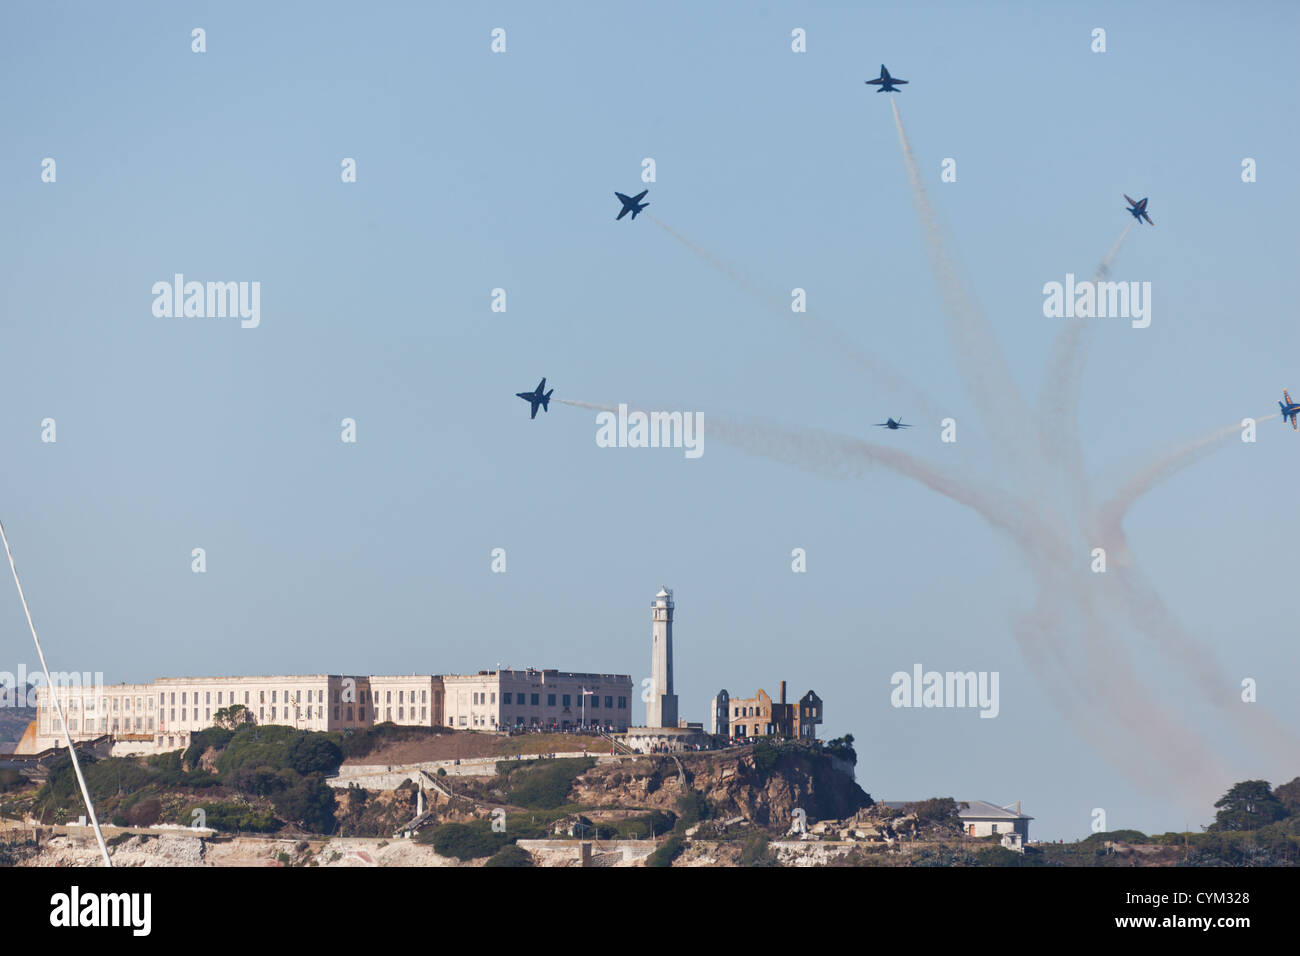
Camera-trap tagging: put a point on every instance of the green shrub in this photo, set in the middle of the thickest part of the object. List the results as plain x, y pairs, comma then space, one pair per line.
1001, 856
510, 855
465, 841
542, 784
309, 804
937, 812
1118, 836
766, 756
254, 746
201, 740
842, 747
647, 825
691, 809
145, 813
259, 781
667, 851
313, 753
757, 852
232, 817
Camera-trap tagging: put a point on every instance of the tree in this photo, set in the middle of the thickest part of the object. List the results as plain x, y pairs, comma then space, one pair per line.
1289, 795
1249, 805
309, 804
258, 781
313, 753
842, 747
233, 717
941, 812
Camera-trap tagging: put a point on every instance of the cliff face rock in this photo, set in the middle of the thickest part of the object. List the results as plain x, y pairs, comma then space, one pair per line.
762, 787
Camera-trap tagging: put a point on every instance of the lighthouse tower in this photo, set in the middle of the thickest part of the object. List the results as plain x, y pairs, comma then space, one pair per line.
661, 709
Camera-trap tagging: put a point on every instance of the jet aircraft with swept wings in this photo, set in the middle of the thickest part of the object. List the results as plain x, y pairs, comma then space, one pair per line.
538, 397
1289, 410
631, 204
1138, 208
886, 82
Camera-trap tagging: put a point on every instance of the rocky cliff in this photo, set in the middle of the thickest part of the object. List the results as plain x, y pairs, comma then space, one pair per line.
762, 787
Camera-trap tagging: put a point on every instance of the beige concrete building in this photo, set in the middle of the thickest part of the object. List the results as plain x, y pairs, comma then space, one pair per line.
413, 700
162, 715
537, 699
94, 710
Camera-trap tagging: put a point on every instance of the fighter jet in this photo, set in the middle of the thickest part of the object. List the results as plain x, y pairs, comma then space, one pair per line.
537, 398
631, 204
1139, 209
886, 82
892, 425
1289, 410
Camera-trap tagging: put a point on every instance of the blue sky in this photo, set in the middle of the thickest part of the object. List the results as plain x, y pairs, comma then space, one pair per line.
478, 171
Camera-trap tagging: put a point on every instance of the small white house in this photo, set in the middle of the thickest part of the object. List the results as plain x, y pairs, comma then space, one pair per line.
979, 819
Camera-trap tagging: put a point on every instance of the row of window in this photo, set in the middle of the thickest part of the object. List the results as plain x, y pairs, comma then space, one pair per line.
402, 713
119, 726
478, 720
807, 712
275, 712
223, 701
296, 696
119, 703
261, 713
534, 700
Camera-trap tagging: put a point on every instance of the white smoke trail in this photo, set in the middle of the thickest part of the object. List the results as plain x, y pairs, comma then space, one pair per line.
1064, 378
1148, 610
1152, 616
983, 369
1089, 676
1058, 400
839, 456
1111, 514
1104, 267
58, 706
879, 373
1092, 678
